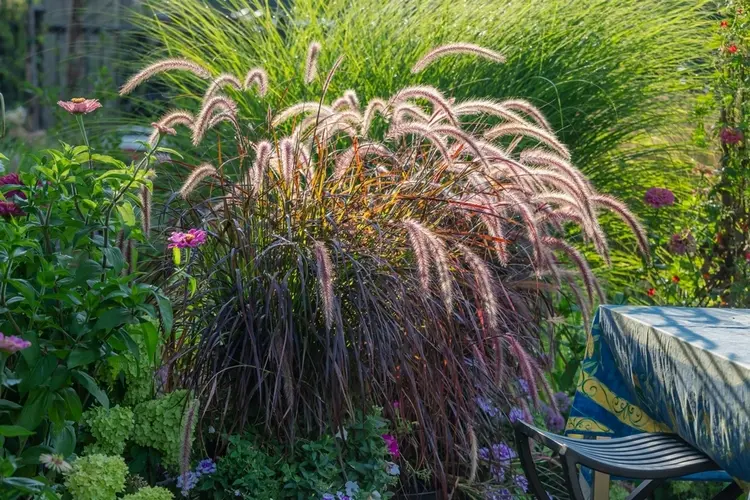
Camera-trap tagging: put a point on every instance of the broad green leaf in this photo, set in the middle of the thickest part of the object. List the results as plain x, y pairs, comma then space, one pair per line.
64, 442
126, 212
30, 456
90, 385
108, 160
6, 405
73, 403
87, 270
24, 484
14, 431
114, 258
81, 357
38, 374
150, 338
165, 311
112, 318
35, 409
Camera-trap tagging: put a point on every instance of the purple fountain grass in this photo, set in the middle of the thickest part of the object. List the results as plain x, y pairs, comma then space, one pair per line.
529, 109
287, 160
311, 62
195, 178
456, 48
621, 210
257, 77
263, 152
169, 120
526, 364
589, 280
359, 151
325, 281
146, 210
186, 440
430, 94
162, 66
529, 131
404, 110
374, 106
221, 81
412, 128
315, 108
208, 108
348, 101
421, 251
485, 285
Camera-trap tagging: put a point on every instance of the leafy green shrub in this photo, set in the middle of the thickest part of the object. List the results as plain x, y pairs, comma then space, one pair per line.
252, 469
110, 428
97, 477
69, 232
151, 493
138, 373
160, 424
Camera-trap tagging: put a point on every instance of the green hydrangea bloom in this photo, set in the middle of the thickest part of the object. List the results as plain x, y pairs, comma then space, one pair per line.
111, 428
160, 424
139, 374
97, 477
149, 493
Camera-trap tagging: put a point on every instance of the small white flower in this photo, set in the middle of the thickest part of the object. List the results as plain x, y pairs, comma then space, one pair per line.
342, 434
55, 462
392, 469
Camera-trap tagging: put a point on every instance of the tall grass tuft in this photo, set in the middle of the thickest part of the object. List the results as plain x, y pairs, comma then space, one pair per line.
349, 266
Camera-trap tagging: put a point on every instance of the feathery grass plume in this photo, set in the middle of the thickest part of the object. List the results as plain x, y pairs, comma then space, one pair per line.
529, 109
374, 106
589, 280
405, 128
146, 210
485, 285
210, 105
170, 119
259, 78
351, 96
465, 138
526, 365
223, 116
583, 303
403, 110
315, 108
529, 131
430, 94
288, 163
421, 252
456, 48
311, 62
160, 67
620, 209
263, 152
345, 160
325, 281
487, 107
186, 440
547, 159
221, 81
473, 454
195, 178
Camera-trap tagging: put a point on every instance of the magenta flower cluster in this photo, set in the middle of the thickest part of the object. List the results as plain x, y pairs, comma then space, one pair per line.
391, 444
191, 239
7, 207
659, 197
682, 243
731, 136
12, 344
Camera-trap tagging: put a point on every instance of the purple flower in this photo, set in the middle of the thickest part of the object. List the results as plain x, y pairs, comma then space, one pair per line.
502, 494
351, 488
327, 496
9, 209
659, 197
498, 473
205, 467
396, 405
554, 421
192, 239
12, 180
731, 136
487, 407
12, 344
682, 243
521, 482
562, 400
524, 386
341, 496
186, 482
80, 105
391, 444
517, 414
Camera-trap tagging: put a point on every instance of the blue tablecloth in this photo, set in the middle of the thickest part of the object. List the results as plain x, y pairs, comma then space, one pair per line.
669, 369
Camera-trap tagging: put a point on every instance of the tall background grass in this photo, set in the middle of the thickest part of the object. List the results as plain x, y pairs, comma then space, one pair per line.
615, 78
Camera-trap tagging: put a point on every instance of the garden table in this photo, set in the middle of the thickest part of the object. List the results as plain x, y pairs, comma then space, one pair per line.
669, 369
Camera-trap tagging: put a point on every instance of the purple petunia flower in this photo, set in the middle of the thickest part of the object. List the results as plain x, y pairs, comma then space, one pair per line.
12, 344
186, 482
501, 494
487, 407
391, 444
521, 482
205, 467
192, 239
562, 400
659, 197
524, 386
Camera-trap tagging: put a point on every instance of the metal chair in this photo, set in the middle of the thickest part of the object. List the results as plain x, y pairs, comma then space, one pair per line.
651, 457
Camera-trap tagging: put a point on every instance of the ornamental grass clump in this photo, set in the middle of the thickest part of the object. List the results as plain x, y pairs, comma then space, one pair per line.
375, 249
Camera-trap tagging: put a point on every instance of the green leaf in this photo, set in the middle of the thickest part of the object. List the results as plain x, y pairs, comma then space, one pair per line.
165, 310
126, 212
81, 357
72, 403
114, 258
90, 385
108, 160
35, 409
112, 318
30, 456
24, 484
6, 405
38, 375
150, 338
64, 442
14, 431
87, 270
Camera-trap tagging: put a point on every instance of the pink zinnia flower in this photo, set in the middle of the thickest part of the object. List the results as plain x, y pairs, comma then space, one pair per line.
12, 344
192, 239
391, 444
659, 197
80, 105
9, 209
731, 136
12, 180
